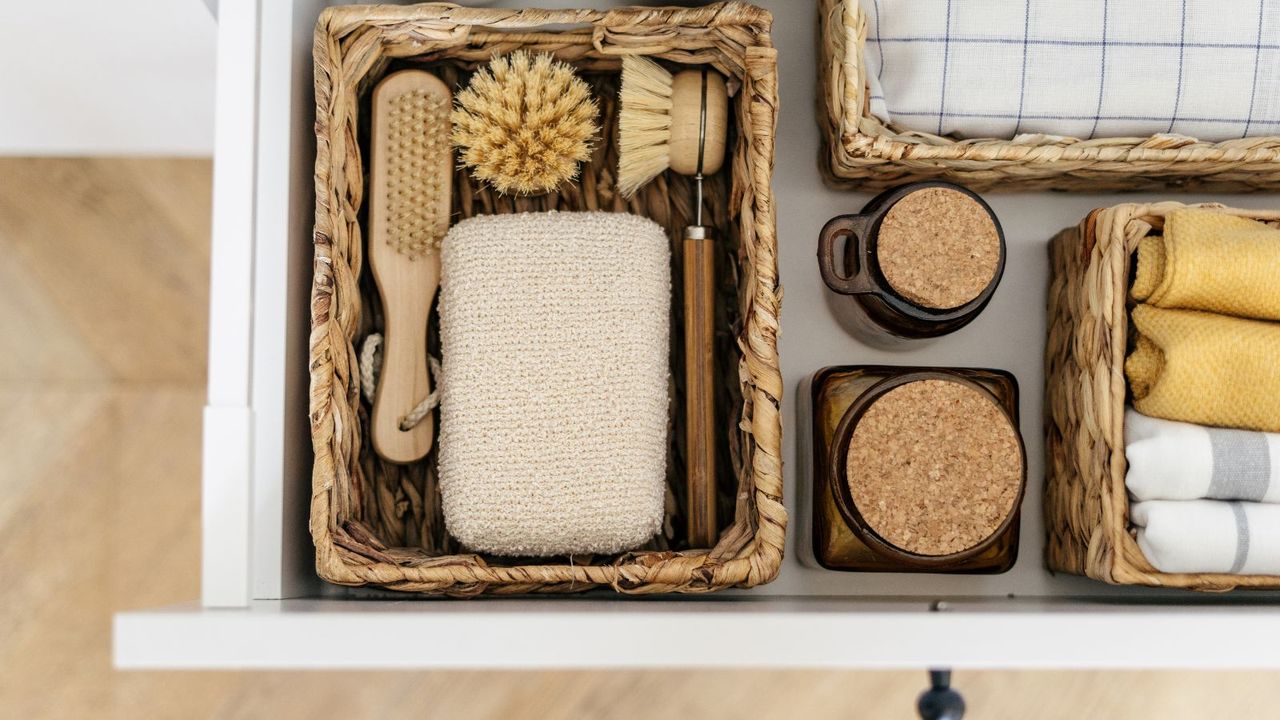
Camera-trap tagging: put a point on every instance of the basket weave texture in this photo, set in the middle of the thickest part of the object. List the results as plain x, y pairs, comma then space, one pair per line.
378, 524
861, 152
1086, 505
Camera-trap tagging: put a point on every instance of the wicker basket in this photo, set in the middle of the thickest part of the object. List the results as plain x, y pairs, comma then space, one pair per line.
1086, 506
378, 524
861, 152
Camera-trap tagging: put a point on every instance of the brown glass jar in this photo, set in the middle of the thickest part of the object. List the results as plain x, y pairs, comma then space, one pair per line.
966, 522
919, 261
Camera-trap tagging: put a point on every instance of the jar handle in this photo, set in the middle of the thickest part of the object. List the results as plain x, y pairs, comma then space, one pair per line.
853, 228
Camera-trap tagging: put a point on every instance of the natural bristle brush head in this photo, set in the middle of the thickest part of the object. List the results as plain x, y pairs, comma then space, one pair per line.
660, 124
524, 123
644, 123
416, 223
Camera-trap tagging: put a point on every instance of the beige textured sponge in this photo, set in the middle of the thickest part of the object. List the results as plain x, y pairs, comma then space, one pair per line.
554, 332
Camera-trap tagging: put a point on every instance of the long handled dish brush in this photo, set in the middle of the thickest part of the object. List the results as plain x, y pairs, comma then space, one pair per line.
680, 122
410, 183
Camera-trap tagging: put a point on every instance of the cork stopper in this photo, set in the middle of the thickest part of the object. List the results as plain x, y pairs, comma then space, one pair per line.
938, 248
934, 467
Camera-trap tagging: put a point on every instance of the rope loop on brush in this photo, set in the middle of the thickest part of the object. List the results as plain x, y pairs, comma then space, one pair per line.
371, 365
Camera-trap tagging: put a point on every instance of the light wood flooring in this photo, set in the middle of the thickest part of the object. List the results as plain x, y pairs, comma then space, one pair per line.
103, 300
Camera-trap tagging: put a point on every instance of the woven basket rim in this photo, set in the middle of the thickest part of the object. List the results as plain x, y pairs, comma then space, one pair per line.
859, 145
732, 36
447, 14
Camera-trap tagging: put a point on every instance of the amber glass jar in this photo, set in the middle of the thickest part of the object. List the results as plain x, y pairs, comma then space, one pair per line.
916, 469
919, 261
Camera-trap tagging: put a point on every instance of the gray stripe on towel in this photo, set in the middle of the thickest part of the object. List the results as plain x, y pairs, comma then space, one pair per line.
1241, 465
1242, 538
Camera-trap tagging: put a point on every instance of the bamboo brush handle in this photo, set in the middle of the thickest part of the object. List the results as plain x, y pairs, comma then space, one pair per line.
699, 368
407, 291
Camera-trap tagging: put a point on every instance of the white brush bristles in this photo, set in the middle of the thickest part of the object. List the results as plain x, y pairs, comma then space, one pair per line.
644, 123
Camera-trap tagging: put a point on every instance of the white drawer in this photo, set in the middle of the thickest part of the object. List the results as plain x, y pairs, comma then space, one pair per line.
263, 606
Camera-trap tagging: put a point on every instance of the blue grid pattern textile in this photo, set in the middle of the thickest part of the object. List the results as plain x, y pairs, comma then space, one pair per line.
1209, 69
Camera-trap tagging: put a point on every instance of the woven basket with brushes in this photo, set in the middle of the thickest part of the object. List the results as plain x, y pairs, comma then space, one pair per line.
380, 524
861, 152
1086, 505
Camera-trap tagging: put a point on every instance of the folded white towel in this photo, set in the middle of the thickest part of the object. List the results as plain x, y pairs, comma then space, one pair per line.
1180, 461
1085, 68
1209, 536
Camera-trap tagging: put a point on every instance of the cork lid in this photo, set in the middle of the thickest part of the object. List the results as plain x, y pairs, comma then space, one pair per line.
934, 467
938, 248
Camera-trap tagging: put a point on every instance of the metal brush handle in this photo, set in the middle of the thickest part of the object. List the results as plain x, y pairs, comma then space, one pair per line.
702, 152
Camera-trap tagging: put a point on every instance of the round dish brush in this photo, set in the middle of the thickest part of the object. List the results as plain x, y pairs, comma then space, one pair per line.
680, 122
524, 123
669, 121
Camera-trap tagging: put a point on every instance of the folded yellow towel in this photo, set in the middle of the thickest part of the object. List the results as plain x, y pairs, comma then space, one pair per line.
1208, 369
1211, 261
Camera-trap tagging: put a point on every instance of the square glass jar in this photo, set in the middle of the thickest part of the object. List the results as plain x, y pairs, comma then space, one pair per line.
836, 545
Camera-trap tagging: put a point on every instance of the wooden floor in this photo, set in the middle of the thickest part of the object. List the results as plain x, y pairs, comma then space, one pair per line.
103, 299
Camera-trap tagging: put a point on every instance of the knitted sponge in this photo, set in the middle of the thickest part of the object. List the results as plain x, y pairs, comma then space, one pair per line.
554, 331
1211, 261
1203, 368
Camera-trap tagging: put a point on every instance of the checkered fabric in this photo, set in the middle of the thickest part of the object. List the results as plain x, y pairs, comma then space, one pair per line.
1209, 69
